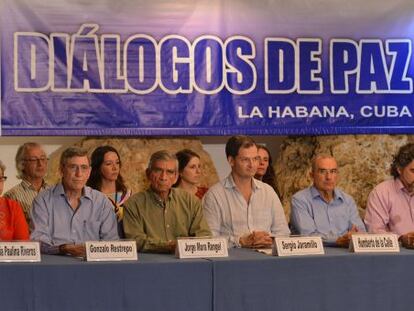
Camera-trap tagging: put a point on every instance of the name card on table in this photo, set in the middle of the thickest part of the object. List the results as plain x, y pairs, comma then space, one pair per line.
19, 251
111, 250
201, 247
374, 243
297, 246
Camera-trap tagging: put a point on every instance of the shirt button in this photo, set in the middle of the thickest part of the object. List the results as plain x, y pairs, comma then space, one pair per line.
168, 226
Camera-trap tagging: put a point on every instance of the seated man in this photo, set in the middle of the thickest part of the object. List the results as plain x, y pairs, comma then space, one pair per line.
243, 209
156, 217
70, 213
323, 209
390, 206
31, 165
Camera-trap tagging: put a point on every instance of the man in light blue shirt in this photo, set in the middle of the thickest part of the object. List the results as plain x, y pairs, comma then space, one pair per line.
70, 213
245, 210
323, 209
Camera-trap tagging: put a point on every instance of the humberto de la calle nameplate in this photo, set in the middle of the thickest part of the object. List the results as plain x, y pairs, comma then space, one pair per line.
28, 251
374, 243
299, 245
201, 247
111, 250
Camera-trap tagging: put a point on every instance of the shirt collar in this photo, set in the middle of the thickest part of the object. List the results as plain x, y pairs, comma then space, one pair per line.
157, 199
86, 191
26, 184
315, 193
399, 186
229, 183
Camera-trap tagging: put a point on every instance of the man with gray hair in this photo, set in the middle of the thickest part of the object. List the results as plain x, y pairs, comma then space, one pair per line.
155, 218
323, 209
70, 213
31, 165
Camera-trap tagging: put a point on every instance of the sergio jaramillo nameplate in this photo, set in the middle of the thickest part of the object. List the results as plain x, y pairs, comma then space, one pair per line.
296, 246
201, 247
19, 251
111, 250
374, 243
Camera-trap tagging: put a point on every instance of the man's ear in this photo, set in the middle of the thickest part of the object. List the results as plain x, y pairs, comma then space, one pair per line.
147, 172
61, 170
230, 160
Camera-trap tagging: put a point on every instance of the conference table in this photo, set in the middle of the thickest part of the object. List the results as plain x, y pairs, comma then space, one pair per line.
246, 280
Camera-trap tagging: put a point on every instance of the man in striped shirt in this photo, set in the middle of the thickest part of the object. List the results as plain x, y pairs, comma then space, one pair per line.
31, 165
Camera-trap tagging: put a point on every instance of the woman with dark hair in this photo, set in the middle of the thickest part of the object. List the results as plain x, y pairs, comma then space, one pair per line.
106, 177
265, 171
13, 225
189, 172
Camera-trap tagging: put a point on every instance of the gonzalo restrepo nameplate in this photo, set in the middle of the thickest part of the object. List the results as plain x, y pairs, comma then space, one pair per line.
111, 250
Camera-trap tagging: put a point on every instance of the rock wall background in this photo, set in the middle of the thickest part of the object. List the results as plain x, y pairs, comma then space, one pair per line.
363, 162
135, 153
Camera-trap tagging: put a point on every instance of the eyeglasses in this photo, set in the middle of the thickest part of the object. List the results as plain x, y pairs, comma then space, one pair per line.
325, 172
74, 168
3, 178
36, 160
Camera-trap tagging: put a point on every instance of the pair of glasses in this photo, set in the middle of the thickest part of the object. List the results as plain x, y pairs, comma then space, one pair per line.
34, 160
3, 178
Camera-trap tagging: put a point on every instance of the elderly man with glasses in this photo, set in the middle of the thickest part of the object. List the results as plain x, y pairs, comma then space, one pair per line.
70, 213
31, 165
323, 209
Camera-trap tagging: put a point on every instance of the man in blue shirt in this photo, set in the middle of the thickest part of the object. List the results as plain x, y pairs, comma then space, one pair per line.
70, 213
323, 209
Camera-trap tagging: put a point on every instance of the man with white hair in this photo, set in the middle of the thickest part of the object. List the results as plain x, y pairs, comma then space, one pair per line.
31, 165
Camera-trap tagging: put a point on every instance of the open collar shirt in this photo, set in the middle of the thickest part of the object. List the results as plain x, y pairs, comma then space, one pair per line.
154, 223
312, 215
390, 208
56, 223
230, 215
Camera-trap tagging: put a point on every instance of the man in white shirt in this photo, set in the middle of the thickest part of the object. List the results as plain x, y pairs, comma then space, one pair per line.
245, 210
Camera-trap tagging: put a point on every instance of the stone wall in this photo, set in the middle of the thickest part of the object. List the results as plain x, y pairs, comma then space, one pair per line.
363, 162
135, 153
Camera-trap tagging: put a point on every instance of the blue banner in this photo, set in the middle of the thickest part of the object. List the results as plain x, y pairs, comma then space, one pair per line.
217, 67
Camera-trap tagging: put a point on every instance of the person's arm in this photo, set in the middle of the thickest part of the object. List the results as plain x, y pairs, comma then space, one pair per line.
20, 227
198, 226
134, 229
376, 215
279, 223
40, 219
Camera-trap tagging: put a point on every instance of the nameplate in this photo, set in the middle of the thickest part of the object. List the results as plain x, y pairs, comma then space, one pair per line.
374, 243
298, 246
19, 251
111, 250
201, 247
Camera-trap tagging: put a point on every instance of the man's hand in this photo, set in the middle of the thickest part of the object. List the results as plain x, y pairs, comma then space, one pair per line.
76, 250
256, 239
407, 240
343, 241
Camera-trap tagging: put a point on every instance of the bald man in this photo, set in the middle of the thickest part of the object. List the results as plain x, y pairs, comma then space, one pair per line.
323, 209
